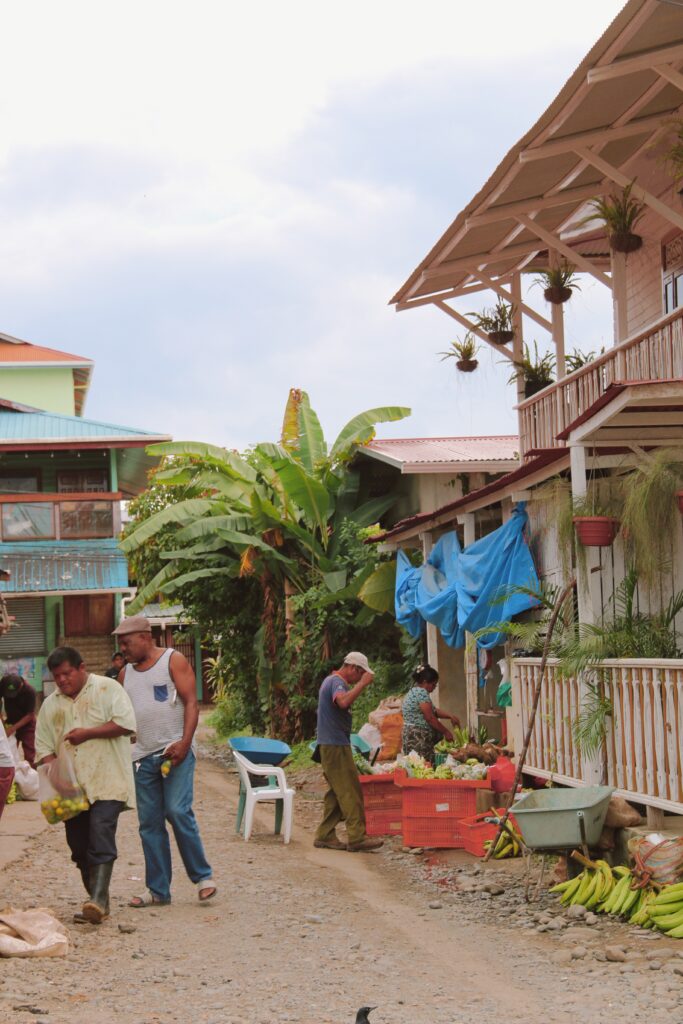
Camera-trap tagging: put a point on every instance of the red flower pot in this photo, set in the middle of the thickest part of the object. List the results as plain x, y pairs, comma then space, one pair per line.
596, 531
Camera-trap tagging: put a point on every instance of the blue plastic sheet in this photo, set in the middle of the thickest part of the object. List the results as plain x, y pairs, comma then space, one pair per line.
462, 591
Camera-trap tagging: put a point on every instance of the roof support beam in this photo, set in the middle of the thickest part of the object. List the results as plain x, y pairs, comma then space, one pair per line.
671, 75
647, 61
508, 211
470, 326
600, 136
480, 259
621, 179
507, 295
452, 293
553, 242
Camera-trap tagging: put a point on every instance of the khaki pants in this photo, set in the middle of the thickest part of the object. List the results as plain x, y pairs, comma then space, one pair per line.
344, 799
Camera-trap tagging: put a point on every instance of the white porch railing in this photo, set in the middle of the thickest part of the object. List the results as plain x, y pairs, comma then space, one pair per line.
642, 756
654, 354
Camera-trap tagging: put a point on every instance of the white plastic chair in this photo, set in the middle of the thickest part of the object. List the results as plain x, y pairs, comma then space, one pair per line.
256, 794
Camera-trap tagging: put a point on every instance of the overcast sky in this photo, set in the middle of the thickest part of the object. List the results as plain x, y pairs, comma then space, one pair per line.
216, 200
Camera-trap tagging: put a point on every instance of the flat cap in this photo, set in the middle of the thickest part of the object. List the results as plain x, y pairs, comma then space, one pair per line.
135, 624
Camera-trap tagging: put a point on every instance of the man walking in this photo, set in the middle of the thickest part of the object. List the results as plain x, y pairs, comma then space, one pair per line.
344, 798
94, 716
19, 699
162, 689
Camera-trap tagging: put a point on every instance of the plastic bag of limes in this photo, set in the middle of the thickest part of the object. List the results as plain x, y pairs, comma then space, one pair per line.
61, 795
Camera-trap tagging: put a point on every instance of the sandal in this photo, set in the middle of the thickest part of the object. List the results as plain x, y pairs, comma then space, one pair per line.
148, 900
206, 886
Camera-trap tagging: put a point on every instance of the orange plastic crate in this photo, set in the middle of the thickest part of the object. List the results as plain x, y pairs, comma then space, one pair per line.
476, 831
383, 803
433, 810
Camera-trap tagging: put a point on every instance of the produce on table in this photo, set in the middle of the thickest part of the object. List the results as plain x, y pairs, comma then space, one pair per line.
362, 764
665, 910
507, 844
61, 808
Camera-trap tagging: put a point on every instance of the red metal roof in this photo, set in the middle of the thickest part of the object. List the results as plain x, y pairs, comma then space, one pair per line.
25, 352
409, 452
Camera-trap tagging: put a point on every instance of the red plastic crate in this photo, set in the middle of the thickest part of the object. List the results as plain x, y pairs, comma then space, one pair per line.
383, 803
476, 831
433, 810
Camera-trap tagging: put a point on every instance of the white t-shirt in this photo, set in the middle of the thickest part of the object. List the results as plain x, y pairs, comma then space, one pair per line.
6, 759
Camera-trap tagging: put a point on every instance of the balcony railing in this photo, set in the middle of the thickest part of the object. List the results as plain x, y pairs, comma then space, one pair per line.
654, 354
642, 754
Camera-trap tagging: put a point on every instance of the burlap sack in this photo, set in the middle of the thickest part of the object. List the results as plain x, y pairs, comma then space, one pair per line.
620, 814
32, 933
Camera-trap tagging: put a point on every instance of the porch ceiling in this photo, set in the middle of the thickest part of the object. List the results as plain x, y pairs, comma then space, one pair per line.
609, 111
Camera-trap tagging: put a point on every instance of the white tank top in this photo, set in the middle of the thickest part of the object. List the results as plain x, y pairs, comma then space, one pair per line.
159, 712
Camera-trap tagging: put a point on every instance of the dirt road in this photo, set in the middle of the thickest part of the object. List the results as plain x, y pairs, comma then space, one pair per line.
308, 935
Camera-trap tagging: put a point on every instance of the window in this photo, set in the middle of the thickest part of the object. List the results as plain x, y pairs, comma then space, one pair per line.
82, 481
672, 274
22, 483
85, 519
26, 520
88, 616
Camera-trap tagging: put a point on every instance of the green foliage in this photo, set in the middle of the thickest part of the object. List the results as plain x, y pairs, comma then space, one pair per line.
466, 349
537, 370
498, 318
619, 212
650, 515
590, 727
672, 156
563, 276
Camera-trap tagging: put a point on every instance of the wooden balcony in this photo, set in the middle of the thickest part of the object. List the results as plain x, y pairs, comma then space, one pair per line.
642, 754
654, 354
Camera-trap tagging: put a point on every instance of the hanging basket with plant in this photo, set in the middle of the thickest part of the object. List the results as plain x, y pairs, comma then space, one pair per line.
558, 283
537, 372
594, 520
497, 322
464, 353
619, 212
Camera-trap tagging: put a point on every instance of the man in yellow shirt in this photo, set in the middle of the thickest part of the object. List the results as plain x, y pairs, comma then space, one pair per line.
95, 717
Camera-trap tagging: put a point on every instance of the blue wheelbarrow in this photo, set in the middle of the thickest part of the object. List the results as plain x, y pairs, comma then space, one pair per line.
260, 750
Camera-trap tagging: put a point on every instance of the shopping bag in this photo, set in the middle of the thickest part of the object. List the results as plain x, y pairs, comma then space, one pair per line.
61, 796
27, 782
34, 932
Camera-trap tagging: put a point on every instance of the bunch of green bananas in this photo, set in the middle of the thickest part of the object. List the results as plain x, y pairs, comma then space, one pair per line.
507, 844
666, 910
608, 890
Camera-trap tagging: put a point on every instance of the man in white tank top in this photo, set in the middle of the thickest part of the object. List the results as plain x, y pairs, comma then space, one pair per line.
162, 688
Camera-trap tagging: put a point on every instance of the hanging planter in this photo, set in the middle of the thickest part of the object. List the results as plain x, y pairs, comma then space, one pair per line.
596, 531
625, 241
463, 352
557, 294
501, 337
535, 370
467, 365
497, 322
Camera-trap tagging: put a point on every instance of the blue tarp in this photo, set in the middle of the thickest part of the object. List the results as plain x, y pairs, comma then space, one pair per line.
461, 591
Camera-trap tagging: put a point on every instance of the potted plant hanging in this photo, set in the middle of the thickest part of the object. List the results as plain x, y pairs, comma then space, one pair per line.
595, 526
620, 213
464, 353
652, 498
537, 372
672, 157
558, 283
497, 322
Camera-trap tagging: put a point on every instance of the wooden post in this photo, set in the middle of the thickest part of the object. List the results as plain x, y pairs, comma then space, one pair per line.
518, 346
587, 583
431, 631
468, 523
557, 311
619, 297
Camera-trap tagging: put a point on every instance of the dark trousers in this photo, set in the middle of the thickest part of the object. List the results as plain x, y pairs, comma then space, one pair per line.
6, 780
343, 800
27, 737
91, 835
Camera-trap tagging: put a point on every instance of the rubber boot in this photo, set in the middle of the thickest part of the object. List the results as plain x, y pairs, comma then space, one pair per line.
97, 907
85, 875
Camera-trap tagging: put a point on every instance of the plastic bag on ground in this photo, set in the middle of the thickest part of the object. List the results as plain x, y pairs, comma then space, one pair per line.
35, 932
657, 862
13, 748
61, 795
620, 814
388, 718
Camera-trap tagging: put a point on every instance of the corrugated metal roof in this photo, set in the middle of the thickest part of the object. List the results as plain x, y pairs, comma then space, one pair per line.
45, 567
413, 452
47, 426
14, 350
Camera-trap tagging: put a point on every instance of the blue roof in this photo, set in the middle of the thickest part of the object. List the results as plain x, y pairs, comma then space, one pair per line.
48, 426
59, 566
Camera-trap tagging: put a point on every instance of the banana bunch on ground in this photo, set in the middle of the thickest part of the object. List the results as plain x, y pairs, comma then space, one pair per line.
666, 910
507, 844
607, 890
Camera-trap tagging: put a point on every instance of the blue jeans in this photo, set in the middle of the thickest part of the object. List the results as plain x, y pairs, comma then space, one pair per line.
161, 799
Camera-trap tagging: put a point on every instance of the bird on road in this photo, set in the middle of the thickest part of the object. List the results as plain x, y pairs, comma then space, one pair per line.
362, 1015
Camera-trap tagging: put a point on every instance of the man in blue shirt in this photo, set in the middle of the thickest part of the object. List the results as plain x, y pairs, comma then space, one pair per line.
344, 798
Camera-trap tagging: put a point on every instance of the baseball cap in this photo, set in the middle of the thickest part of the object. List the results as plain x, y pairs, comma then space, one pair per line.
135, 624
356, 658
